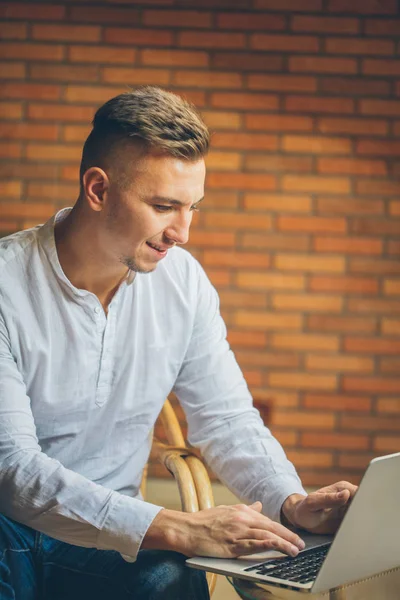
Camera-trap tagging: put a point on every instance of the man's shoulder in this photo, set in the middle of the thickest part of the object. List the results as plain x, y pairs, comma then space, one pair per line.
14, 246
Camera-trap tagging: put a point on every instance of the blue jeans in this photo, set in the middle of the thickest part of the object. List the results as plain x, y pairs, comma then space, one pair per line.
34, 566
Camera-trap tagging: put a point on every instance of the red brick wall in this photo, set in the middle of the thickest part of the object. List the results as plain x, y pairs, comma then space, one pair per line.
299, 232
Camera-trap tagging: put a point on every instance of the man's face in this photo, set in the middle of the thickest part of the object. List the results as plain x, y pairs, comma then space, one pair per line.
152, 210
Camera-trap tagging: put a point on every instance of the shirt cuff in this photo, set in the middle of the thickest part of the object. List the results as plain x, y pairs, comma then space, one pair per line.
281, 490
126, 524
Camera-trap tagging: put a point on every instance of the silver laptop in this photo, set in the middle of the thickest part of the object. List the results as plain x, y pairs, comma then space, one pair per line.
366, 543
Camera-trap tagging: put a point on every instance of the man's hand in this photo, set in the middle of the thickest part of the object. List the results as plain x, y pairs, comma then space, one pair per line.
322, 511
222, 532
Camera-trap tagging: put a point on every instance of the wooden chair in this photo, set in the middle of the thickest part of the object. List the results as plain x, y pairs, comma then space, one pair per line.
196, 494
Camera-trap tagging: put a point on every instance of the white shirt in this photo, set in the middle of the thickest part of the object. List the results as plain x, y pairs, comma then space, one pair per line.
80, 392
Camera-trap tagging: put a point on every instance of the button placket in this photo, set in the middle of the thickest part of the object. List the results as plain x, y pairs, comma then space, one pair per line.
105, 367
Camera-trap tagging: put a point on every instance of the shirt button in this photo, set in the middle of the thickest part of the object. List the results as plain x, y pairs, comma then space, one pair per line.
97, 310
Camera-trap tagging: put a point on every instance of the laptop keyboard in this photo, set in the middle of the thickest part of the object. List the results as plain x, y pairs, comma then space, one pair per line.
301, 569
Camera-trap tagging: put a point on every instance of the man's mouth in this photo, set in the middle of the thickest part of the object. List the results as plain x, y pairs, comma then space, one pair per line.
161, 250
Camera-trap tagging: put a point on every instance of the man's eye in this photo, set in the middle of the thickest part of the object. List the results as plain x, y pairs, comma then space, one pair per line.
162, 207
195, 208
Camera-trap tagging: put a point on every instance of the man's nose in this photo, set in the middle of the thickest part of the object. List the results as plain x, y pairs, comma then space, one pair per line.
178, 230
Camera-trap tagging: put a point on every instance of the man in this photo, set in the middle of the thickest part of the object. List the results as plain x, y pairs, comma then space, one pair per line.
102, 315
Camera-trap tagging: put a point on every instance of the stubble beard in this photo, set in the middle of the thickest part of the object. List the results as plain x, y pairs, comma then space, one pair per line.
132, 265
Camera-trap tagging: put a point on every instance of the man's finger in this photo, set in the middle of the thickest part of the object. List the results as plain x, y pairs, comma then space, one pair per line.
319, 501
272, 542
292, 540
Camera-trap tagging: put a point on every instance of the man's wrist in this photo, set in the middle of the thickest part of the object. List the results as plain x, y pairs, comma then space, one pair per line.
167, 531
288, 510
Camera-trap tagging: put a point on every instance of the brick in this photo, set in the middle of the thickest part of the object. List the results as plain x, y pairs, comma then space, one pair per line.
250, 21
382, 27
285, 437
135, 76
349, 245
28, 131
239, 260
60, 112
279, 122
196, 97
232, 220
316, 145
319, 105
13, 31
28, 209
356, 461
53, 152
304, 183
396, 129
12, 70
348, 206
267, 321
390, 326
137, 37
247, 338
311, 263
290, 5
10, 110
10, 189
366, 305
282, 83
245, 101
339, 403
363, 7
177, 18
302, 381
21, 170
302, 420
320, 64
279, 203
276, 241
171, 58
305, 341
278, 163
360, 46
10, 150
284, 43
393, 247
237, 299
375, 226
388, 405
339, 363
242, 181
272, 359
389, 365
335, 323
351, 166
335, 440
391, 287
32, 10
345, 284
67, 33
352, 126
283, 398
219, 278
245, 141
380, 107
101, 54
101, 14
194, 39
343, 26
311, 224
381, 67
64, 73
209, 79
217, 200
75, 133
386, 444
213, 239
394, 208
310, 459
247, 61
52, 191
260, 280
374, 265
307, 302
28, 91
223, 161
28, 51
369, 423
252, 377
221, 119
378, 147
356, 86
377, 187
92, 94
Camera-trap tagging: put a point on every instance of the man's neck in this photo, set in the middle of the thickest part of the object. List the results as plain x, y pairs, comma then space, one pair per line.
81, 259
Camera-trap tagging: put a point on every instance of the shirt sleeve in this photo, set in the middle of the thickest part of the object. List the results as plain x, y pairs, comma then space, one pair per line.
38, 491
222, 421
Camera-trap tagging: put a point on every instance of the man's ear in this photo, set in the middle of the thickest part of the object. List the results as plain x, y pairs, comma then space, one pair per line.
95, 184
